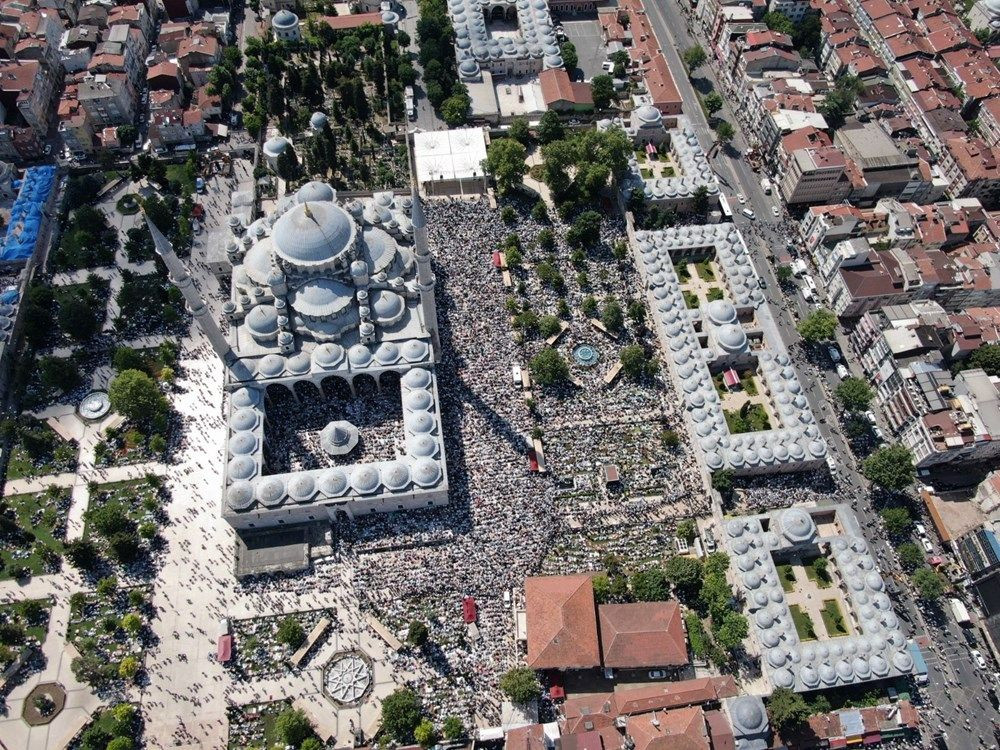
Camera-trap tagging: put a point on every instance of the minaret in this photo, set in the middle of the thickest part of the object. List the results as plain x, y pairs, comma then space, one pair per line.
425, 276
182, 280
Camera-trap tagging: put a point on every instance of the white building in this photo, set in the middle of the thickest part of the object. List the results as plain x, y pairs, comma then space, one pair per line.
450, 162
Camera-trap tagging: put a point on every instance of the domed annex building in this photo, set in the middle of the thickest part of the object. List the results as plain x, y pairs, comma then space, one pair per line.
715, 342
330, 298
866, 643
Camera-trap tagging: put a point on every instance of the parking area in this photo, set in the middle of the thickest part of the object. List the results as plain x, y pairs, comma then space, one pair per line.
585, 33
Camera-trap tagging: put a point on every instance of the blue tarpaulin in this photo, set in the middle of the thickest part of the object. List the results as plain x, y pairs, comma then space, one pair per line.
26, 214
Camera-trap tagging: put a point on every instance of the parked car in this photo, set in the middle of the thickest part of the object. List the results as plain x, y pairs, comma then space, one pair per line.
834, 353
774, 211
748, 213
741, 198
659, 674
607, 66
842, 372
928, 547
870, 416
978, 658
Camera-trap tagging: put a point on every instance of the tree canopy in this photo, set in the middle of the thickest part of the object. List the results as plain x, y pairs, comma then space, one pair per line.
890, 466
650, 585
854, 394
819, 325
897, 520
134, 395
549, 367
787, 709
520, 684
602, 88
683, 572
694, 57
506, 161
401, 715
928, 583
987, 357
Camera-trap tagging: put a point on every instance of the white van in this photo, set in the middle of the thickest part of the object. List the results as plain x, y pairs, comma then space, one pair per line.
748, 213
842, 372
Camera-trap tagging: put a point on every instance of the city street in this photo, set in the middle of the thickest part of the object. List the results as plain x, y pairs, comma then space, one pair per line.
957, 688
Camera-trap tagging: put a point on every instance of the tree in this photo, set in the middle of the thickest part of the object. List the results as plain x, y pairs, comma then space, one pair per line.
602, 89
694, 58
124, 546
549, 325
724, 132
713, 102
569, 56
400, 715
687, 530
928, 583
777, 21
107, 587
897, 520
633, 360
121, 743
731, 633
854, 394
650, 585
699, 200
722, 481
132, 623
506, 161
549, 367
126, 358
550, 127
135, 395
786, 709
911, 556
128, 668
127, 134
519, 131
670, 439
784, 274
819, 325
612, 316
89, 669
586, 230
425, 734
287, 165
520, 684
602, 588
453, 728
455, 109
891, 467
77, 319
59, 373
416, 634
986, 357
290, 632
684, 573
82, 553
293, 726
109, 518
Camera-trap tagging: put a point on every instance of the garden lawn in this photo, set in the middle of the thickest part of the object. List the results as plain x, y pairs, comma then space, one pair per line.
713, 294
42, 515
705, 272
62, 459
747, 383
821, 581
787, 577
833, 619
12, 613
803, 624
691, 300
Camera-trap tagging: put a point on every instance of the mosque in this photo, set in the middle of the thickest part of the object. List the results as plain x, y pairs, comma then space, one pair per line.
326, 298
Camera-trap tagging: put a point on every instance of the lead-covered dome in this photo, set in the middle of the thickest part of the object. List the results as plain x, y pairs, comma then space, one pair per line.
315, 190
313, 234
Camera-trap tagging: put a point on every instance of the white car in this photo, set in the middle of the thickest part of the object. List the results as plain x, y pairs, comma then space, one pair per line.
842, 372
928, 547
977, 657
741, 198
659, 674
607, 66
774, 211
748, 213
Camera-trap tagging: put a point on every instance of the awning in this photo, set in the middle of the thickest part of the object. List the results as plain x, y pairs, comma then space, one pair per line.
225, 650
469, 609
532, 460
556, 692
496, 259
873, 739
838, 742
650, 149
731, 378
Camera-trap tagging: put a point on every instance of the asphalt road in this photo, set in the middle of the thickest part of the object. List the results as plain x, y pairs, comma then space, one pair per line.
957, 688
427, 119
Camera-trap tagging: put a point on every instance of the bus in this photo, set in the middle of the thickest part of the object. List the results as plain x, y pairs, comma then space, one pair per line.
960, 611
727, 210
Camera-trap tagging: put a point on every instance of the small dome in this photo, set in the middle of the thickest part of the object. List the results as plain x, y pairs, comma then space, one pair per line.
244, 397
469, 67
418, 377
395, 475
243, 444
721, 312
782, 678
731, 337
421, 446
299, 364
301, 487
239, 496
415, 350
648, 114
419, 422
365, 479
315, 190
387, 353
244, 419
271, 366
387, 306
271, 491
274, 147
262, 320
748, 712
242, 467
321, 298
797, 525
418, 400
284, 19
333, 482
426, 472
318, 121
328, 356
359, 355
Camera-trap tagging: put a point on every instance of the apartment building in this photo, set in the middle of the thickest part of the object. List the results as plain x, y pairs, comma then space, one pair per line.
108, 99
815, 175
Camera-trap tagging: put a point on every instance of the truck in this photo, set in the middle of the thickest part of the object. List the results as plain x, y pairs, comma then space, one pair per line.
765, 185
960, 612
919, 665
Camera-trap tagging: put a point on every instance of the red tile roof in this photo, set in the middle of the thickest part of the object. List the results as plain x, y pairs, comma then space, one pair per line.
352, 21
531, 737
557, 87
661, 696
561, 622
680, 729
642, 634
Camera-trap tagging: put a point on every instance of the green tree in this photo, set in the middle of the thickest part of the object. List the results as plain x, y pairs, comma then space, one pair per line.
400, 715
287, 165
570, 58
928, 583
650, 585
519, 131
724, 132
107, 587
520, 684
819, 325
602, 588
293, 727
787, 709
126, 358
713, 102
694, 58
506, 161
128, 668
549, 367
453, 728
699, 200
425, 734
417, 633
986, 357
586, 230
854, 394
82, 553
77, 318
684, 573
602, 89
121, 743
911, 556
132, 623
136, 396
59, 373
612, 316
290, 632
550, 127
732, 631
722, 481
897, 520
784, 274
549, 325
455, 109
687, 530
633, 360
777, 21
670, 439
890, 466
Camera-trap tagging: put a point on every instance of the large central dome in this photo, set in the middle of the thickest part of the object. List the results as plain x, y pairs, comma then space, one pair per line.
313, 234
